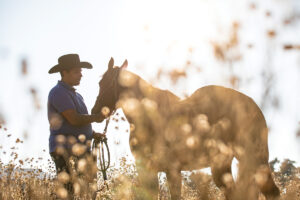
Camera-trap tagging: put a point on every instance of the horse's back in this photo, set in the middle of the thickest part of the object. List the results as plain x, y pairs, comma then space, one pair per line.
218, 101
222, 95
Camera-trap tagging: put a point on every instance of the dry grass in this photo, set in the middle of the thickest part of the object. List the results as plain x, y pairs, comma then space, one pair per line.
15, 183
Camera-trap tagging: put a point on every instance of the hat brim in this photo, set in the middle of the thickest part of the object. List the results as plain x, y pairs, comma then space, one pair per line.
59, 68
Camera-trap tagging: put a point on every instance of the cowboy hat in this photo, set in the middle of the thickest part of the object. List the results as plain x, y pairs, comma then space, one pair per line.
67, 62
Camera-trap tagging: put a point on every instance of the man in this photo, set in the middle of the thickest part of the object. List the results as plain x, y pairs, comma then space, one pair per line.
70, 124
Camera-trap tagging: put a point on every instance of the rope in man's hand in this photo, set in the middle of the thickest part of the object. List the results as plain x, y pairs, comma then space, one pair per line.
98, 146
99, 143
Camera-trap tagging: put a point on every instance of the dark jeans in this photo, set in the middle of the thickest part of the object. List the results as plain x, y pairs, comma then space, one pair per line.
62, 163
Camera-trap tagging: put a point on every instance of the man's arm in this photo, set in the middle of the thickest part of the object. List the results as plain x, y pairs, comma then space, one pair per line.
81, 119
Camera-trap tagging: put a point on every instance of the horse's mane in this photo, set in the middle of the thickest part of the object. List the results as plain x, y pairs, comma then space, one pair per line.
143, 89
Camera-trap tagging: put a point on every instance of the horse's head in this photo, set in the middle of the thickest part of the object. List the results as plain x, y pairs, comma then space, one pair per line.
109, 88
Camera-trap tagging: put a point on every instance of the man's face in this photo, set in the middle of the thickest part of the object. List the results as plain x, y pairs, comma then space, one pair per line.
73, 76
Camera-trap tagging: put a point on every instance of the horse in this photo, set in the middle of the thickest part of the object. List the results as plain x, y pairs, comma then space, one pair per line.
207, 129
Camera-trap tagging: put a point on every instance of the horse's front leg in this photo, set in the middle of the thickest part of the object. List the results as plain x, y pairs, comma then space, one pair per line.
147, 188
174, 181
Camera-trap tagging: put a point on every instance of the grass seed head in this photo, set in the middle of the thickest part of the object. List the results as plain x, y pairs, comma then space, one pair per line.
78, 149
63, 177
62, 193
82, 138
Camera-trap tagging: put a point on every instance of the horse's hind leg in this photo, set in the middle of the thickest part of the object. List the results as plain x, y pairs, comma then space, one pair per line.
254, 172
174, 181
266, 183
222, 176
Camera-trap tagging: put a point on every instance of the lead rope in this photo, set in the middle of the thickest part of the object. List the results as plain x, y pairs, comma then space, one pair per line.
98, 146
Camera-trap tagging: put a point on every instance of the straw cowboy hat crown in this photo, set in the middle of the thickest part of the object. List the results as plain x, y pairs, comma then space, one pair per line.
67, 62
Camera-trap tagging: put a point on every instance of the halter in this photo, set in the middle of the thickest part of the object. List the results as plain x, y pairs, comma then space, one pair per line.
98, 145
111, 85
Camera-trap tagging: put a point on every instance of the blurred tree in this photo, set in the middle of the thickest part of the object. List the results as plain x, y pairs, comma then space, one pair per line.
287, 172
272, 164
287, 167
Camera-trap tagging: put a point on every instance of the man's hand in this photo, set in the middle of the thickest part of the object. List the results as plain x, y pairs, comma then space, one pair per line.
98, 136
99, 117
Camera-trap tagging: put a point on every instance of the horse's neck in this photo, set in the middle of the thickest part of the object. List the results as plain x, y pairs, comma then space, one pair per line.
163, 98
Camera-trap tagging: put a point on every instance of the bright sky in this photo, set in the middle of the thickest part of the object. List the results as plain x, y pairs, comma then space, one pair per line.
150, 34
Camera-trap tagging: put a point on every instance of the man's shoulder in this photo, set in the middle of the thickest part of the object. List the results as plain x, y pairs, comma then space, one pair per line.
57, 90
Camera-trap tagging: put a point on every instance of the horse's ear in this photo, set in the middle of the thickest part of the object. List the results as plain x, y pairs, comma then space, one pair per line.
111, 63
124, 65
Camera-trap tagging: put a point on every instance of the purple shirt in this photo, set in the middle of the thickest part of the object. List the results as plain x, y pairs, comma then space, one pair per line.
63, 97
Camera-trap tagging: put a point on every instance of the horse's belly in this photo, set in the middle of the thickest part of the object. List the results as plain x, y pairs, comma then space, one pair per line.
194, 166
188, 160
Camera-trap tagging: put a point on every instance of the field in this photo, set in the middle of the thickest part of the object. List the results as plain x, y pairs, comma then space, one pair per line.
16, 183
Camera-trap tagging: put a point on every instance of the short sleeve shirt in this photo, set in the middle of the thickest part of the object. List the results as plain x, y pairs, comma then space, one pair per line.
63, 97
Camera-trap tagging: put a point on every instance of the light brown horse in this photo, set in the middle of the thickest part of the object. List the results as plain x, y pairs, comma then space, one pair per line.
207, 129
